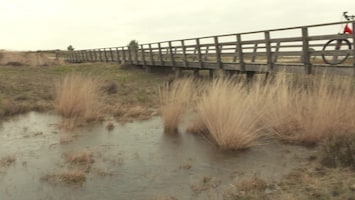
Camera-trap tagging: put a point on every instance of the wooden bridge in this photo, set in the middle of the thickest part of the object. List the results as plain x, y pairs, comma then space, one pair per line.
296, 49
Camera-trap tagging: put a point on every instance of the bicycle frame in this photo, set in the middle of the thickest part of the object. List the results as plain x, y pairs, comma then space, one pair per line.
347, 30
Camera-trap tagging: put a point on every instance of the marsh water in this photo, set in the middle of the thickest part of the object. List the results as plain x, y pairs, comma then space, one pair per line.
133, 161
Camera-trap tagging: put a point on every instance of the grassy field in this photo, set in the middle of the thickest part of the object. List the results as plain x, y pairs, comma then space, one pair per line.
231, 113
129, 93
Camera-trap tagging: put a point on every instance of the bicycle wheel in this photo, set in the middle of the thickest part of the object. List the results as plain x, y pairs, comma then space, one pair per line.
334, 57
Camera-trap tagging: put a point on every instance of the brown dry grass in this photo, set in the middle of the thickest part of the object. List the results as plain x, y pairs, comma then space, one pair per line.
18, 58
231, 114
300, 108
82, 159
7, 161
312, 109
71, 177
79, 99
174, 99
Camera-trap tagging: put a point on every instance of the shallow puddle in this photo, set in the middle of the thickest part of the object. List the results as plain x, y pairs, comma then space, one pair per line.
132, 161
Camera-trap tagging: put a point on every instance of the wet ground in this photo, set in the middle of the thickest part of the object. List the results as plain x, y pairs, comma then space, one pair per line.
132, 161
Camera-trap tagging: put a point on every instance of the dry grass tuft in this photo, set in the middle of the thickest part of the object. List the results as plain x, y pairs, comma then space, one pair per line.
313, 109
300, 108
79, 157
79, 99
206, 183
174, 100
230, 114
71, 177
7, 161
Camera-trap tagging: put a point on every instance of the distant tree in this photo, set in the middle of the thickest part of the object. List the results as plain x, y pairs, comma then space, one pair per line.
133, 45
70, 48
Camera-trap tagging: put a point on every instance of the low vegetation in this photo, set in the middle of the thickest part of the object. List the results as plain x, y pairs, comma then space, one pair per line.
298, 109
175, 98
79, 98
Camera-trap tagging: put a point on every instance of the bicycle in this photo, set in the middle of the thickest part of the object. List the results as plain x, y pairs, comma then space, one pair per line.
338, 44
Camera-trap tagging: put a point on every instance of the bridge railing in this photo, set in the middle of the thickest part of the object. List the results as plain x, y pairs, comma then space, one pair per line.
297, 49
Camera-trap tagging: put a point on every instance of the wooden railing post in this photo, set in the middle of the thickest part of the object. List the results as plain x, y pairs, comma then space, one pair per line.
205, 58
91, 55
84, 55
270, 63
184, 53
255, 49
100, 55
123, 55
171, 54
305, 51
198, 48
151, 54
218, 53
111, 55
143, 56
81, 56
136, 55
87, 55
129, 55
160, 55
118, 56
105, 54
240, 52
95, 55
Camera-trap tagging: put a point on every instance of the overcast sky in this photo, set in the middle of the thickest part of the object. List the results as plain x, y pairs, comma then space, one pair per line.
55, 24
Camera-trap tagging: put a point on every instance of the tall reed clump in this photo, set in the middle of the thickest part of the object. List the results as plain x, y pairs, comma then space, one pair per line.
79, 99
309, 110
174, 100
231, 114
